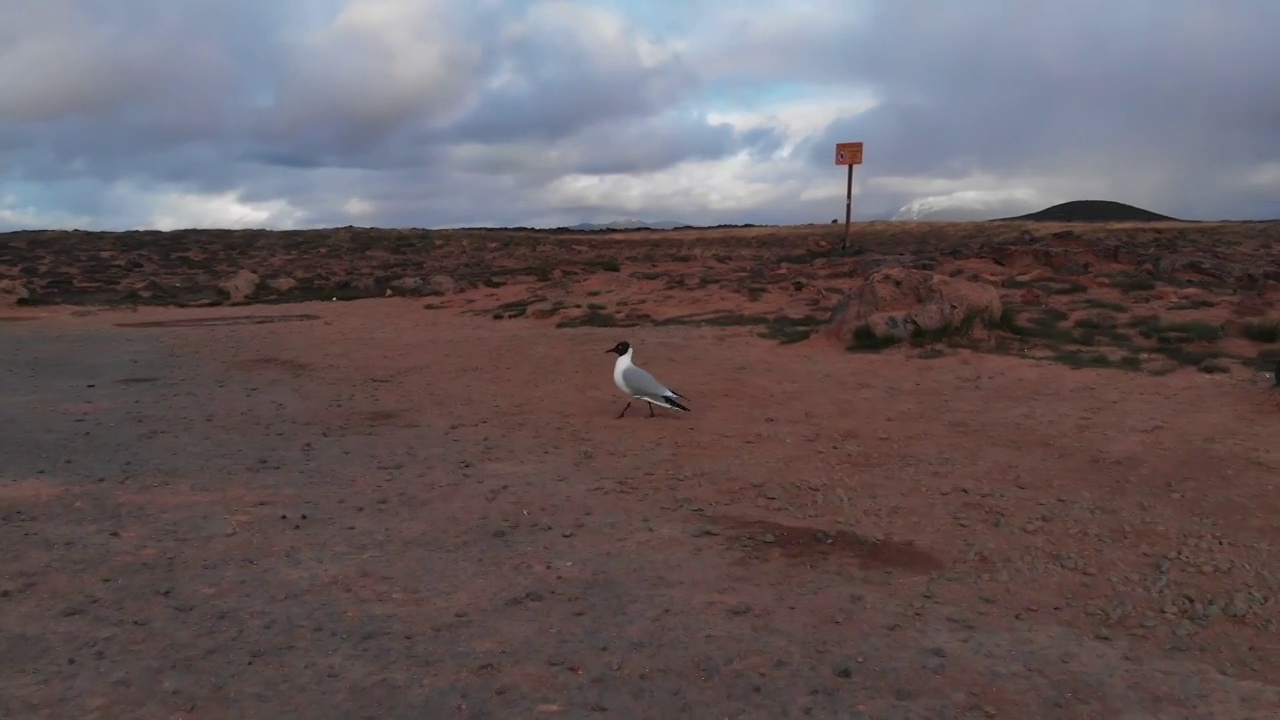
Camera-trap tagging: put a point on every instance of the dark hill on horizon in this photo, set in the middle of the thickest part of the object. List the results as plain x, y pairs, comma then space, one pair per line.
1078, 211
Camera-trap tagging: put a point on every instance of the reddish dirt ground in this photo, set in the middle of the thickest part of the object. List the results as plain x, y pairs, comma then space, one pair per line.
372, 509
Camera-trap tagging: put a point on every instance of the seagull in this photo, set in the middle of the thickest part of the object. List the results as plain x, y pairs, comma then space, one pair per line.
639, 384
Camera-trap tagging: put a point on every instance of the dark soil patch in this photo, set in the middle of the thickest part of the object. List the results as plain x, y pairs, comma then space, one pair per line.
214, 321
800, 542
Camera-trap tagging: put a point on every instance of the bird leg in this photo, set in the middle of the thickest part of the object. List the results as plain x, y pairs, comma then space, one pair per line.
624, 410
650, 409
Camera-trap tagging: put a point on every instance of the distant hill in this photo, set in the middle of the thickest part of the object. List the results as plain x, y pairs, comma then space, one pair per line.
629, 225
1078, 211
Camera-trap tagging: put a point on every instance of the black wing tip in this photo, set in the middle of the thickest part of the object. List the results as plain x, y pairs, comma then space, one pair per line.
672, 402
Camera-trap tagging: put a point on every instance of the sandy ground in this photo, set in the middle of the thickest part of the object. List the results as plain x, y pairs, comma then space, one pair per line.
382, 511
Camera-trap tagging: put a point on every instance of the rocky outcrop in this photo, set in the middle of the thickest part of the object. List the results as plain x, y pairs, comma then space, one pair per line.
282, 284
12, 292
241, 286
900, 303
408, 285
441, 285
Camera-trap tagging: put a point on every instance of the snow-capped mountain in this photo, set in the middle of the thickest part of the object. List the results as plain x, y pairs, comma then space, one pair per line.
969, 205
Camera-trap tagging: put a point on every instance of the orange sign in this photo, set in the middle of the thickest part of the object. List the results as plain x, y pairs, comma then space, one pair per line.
849, 153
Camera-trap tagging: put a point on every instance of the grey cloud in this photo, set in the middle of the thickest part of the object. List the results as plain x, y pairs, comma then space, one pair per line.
650, 144
52, 63
215, 96
559, 92
465, 110
405, 198
176, 82
764, 141
68, 58
1149, 96
543, 85
349, 88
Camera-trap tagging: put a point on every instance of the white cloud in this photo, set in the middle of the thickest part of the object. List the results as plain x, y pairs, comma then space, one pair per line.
439, 112
973, 204
608, 40
359, 208
1264, 176
380, 63
14, 214
801, 119
721, 187
772, 41
926, 185
182, 210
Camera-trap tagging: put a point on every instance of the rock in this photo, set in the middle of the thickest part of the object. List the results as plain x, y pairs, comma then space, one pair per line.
1160, 365
366, 284
900, 302
409, 284
1237, 606
441, 285
241, 286
1060, 260
542, 310
1167, 265
1260, 274
1031, 296
1033, 276
872, 265
149, 289
1211, 366
1192, 304
1121, 254
12, 292
282, 284
1208, 268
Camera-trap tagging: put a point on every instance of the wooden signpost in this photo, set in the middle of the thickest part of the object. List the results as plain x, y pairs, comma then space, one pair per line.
848, 154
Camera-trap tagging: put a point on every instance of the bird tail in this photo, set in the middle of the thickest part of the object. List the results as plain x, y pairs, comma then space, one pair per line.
672, 402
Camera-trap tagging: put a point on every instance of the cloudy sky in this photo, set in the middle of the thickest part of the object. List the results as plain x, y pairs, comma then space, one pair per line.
434, 113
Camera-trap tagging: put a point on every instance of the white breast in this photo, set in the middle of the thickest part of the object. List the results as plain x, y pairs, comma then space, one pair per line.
618, 366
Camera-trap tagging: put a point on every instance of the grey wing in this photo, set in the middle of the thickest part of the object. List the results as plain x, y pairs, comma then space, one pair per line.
640, 382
